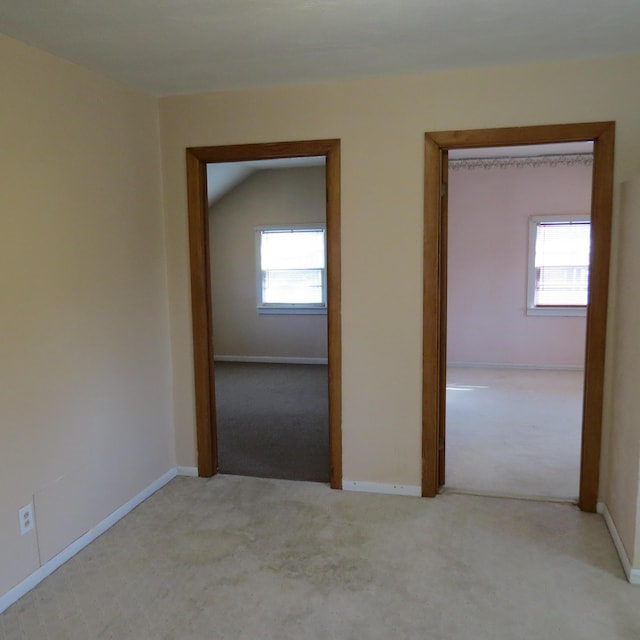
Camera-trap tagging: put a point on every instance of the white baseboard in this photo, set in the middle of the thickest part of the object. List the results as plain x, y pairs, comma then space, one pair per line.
49, 567
271, 359
191, 472
379, 487
534, 367
633, 575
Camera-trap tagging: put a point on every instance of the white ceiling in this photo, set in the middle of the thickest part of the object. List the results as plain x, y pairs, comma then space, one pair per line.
186, 46
565, 148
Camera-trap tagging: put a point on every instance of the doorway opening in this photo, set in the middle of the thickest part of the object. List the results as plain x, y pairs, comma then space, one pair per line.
437, 147
204, 329
267, 234
517, 283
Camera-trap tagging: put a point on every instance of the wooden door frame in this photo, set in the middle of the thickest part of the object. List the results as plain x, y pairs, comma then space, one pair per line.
204, 369
437, 145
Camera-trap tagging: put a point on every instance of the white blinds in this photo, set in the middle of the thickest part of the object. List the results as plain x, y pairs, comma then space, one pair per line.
292, 264
562, 263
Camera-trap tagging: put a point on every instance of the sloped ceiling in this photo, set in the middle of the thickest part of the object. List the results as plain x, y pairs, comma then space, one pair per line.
222, 177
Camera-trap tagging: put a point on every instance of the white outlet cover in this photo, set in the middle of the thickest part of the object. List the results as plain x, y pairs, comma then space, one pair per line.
26, 519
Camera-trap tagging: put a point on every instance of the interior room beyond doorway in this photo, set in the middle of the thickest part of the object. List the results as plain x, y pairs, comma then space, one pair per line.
515, 325
267, 222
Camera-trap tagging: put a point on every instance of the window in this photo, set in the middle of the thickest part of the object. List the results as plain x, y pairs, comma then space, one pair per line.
559, 249
291, 269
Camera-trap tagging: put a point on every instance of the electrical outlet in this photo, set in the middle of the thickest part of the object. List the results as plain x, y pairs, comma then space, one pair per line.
26, 519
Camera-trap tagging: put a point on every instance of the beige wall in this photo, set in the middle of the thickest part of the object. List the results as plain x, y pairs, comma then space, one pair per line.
85, 384
85, 366
488, 235
624, 442
381, 123
85, 372
269, 196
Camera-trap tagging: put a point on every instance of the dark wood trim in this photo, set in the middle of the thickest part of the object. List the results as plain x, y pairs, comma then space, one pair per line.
601, 213
201, 315
434, 321
334, 319
431, 319
204, 369
444, 249
515, 136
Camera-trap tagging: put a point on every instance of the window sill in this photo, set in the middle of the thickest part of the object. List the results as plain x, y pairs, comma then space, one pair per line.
299, 311
557, 311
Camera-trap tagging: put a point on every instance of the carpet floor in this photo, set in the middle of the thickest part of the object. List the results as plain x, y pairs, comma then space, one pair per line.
232, 558
273, 420
514, 432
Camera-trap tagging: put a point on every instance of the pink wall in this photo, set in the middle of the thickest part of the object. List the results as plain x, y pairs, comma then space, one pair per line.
489, 210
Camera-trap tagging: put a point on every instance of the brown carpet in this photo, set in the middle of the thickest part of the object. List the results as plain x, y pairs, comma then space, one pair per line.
273, 420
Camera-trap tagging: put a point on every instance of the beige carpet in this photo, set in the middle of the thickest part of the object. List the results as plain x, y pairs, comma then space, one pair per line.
248, 558
514, 431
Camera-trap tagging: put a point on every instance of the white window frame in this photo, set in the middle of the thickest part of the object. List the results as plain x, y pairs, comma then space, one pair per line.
532, 309
290, 308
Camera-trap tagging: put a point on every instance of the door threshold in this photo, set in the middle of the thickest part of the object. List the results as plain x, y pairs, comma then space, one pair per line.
506, 496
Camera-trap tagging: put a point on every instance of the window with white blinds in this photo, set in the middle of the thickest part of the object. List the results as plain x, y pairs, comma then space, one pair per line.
559, 248
291, 270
